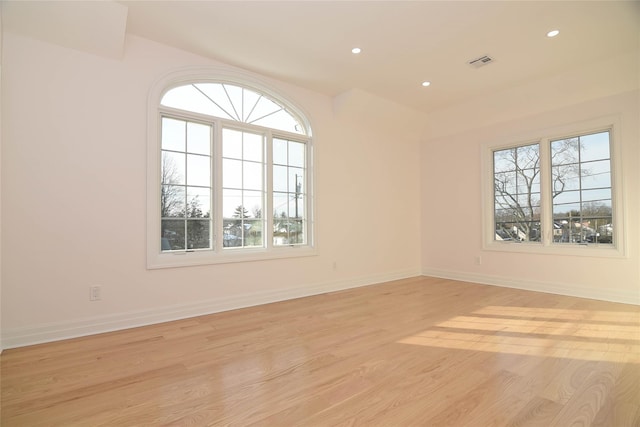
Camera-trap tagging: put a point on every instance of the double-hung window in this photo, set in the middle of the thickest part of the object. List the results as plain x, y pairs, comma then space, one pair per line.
229, 177
553, 194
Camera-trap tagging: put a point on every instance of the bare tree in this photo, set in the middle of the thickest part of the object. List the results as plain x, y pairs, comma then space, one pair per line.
171, 192
517, 192
517, 185
564, 153
172, 205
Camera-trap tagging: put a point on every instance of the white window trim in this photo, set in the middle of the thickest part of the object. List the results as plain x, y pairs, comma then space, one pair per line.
158, 259
619, 247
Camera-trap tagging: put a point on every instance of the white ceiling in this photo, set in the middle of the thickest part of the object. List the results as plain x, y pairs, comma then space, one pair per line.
308, 43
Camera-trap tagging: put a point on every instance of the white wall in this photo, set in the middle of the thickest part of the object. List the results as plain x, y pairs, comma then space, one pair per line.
1, 179
451, 182
73, 153
73, 192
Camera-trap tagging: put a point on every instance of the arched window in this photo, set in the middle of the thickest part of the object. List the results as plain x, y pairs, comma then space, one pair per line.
234, 103
229, 175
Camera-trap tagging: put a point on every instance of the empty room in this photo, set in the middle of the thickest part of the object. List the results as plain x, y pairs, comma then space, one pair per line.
320, 213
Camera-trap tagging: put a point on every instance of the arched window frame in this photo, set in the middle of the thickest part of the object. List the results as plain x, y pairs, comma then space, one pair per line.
156, 257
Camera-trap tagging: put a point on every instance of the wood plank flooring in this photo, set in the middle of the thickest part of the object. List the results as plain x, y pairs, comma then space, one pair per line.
415, 352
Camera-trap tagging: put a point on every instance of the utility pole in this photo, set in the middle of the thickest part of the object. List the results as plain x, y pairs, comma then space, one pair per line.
297, 194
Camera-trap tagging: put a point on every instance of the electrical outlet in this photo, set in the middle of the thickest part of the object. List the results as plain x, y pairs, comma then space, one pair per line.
478, 260
94, 293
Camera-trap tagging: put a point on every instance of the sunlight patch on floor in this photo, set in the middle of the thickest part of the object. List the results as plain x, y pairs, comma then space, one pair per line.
578, 334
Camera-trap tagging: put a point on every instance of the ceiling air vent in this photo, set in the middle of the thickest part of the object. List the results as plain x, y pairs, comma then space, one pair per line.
482, 61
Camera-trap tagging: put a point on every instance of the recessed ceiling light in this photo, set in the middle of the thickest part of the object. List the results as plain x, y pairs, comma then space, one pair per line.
553, 33
356, 50
425, 84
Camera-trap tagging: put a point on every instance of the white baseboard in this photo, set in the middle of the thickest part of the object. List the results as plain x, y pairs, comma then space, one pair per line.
604, 294
42, 333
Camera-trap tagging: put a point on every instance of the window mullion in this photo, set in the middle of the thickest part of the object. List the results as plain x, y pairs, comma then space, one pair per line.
268, 192
546, 193
308, 182
580, 192
186, 186
217, 187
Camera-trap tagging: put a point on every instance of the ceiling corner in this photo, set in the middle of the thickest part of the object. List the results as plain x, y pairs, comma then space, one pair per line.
97, 27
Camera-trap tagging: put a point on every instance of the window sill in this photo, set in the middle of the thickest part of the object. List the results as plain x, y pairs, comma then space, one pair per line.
196, 258
587, 250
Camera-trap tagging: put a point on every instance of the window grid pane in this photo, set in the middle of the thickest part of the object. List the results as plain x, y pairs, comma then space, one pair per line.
516, 175
243, 188
581, 188
289, 196
185, 194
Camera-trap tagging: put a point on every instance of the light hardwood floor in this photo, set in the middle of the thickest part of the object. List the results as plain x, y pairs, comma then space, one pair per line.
415, 352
